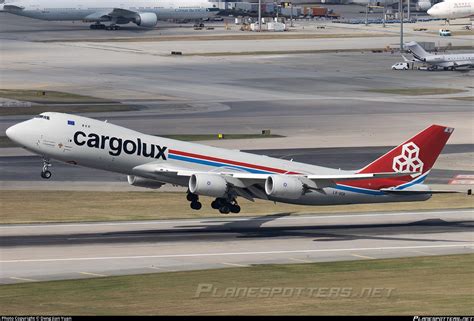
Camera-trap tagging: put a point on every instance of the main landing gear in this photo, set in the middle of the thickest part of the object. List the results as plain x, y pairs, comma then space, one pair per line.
225, 206
45, 173
194, 199
97, 26
112, 27
101, 26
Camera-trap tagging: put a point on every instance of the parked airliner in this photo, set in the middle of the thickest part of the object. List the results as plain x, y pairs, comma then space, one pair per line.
452, 9
151, 161
144, 13
446, 61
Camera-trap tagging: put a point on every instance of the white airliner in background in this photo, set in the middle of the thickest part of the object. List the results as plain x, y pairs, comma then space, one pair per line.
452, 9
144, 13
151, 161
450, 61
421, 5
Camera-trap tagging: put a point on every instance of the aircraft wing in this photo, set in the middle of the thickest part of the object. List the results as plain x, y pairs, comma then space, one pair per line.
463, 63
110, 13
247, 179
99, 15
124, 13
12, 7
251, 185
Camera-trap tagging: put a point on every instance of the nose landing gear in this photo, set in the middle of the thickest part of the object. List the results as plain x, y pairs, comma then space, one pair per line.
45, 173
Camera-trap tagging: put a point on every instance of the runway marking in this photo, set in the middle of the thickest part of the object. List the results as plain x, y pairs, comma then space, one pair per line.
243, 219
462, 180
240, 253
234, 264
23, 279
160, 268
92, 274
363, 256
106, 237
424, 253
300, 260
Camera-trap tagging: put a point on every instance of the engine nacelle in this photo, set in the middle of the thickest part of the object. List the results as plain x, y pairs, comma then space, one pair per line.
423, 5
146, 20
143, 182
208, 185
284, 186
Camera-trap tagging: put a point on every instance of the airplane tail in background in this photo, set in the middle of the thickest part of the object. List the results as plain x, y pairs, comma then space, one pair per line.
417, 51
418, 154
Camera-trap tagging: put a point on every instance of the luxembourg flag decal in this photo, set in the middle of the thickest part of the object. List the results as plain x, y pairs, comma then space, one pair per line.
71, 122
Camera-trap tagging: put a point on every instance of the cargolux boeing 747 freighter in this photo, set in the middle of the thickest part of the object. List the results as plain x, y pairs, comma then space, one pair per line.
225, 175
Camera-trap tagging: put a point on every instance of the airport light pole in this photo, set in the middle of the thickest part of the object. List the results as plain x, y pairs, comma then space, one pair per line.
408, 13
384, 13
400, 10
291, 14
367, 14
259, 15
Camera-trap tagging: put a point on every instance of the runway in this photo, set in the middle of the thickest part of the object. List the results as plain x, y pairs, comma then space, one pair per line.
75, 250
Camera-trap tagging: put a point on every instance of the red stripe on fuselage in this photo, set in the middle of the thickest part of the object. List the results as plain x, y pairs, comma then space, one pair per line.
215, 159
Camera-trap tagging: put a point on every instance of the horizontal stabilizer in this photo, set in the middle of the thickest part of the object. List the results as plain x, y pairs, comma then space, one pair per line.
351, 177
423, 192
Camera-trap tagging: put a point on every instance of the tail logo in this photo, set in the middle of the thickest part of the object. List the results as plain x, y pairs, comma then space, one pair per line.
409, 160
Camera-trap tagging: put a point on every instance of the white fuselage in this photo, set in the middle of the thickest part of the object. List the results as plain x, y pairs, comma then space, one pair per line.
451, 60
452, 9
81, 9
101, 145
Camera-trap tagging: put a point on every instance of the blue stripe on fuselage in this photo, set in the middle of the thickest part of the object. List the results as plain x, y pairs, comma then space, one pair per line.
419, 180
359, 190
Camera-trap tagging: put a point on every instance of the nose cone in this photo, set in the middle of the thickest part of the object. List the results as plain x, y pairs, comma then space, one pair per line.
430, 11
12, 133
18, 133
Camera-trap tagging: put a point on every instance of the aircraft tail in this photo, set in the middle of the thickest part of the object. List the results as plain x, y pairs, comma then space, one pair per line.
416, 50
418, 154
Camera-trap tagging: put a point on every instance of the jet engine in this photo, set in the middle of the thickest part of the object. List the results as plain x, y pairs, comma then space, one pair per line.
423, 5
284, 186
208, 185
146, 20
143, 182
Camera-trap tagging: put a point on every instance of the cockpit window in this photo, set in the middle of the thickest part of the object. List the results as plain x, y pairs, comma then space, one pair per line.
42, 116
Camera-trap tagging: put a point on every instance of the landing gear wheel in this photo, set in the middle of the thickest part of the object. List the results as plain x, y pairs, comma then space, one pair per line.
196, 205
46, 174
97, 26
192, 197
218, 203
224, 209
235, 208
112, 27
